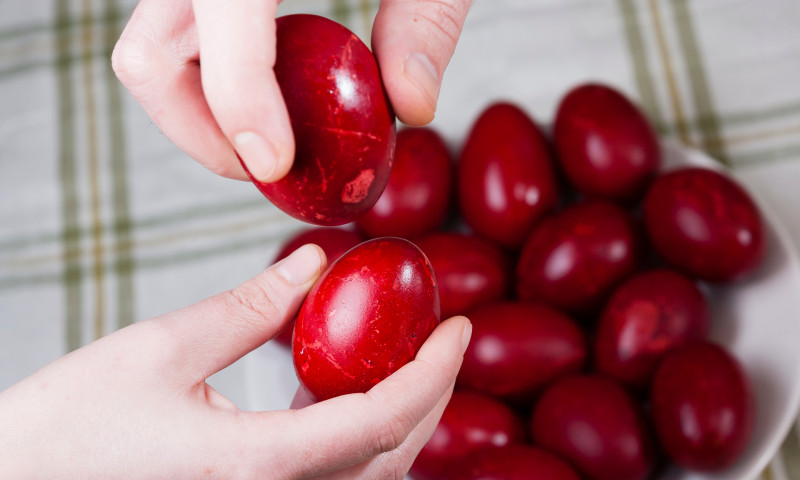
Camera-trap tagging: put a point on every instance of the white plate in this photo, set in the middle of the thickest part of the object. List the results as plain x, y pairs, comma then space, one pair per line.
759, 321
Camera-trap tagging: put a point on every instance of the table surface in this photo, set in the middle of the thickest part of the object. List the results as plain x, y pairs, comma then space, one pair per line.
103, 222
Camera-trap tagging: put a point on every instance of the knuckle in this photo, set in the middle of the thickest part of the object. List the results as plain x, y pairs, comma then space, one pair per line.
445, 16
396, 470
394, 431
133, 60
258, 297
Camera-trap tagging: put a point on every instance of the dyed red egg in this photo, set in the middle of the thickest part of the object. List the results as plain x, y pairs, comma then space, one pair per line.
333, 241
470, 423
647, 316
594, 424
513, 462
417, 198
367, 316
705, 224
702, 407
506, 180
518, 348
470, 271
605, 144
344, 127
574, 259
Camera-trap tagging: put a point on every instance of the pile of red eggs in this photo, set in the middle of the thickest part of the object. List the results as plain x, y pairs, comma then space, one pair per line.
583, 268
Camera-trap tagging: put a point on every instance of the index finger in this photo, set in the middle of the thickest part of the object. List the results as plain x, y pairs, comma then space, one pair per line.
350, 429
237, 56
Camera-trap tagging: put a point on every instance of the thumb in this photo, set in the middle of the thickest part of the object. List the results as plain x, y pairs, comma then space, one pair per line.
414, 40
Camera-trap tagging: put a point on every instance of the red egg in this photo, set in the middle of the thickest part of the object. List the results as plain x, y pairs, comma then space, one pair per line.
333, 241
470, 422
417, 198
518, 348
605, 144
470, 271
506, 180
344, 127
594, 424
367, 316
513, 462
647, 316
702, 407
705, 224
574, 259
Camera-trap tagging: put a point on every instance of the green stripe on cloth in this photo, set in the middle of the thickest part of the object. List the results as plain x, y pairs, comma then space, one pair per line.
18, 31
123, 265
159, 261
72, 272
340, 11
93, 157
175, 218
231, 232
644, 80
790, 453
26, 67
669, 74
712, 141
773, 154
365, 7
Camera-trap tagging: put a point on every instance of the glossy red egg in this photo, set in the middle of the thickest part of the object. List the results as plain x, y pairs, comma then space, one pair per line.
367, 316
417, 198
605, 144
470, 423
506, 179
513, 462
333, 241
702, 407
470, 271
705, 224
518, 348
594, 424
647, 316
575, 258
344, 127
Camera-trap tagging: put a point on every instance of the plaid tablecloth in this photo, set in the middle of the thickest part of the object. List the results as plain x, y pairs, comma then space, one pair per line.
103, 222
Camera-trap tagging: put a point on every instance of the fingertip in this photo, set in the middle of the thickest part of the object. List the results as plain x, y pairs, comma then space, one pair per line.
466, 333
303, 265
267, 161
416, 105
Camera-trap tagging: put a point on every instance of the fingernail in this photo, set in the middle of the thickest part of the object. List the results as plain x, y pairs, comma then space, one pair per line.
421, 71
260, 157
301, 266
465, 336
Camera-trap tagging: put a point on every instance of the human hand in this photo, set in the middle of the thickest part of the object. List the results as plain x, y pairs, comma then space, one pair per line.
135, 404
233, 103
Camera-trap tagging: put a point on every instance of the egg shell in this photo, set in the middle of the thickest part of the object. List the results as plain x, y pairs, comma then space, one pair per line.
506, 177
518, 348
367, 316
703, 223
513, 462
419, 194
598, 427
605, 144
471, 271
649, 315
343, 124
573, 259
470, 422
334, 242
703, 407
